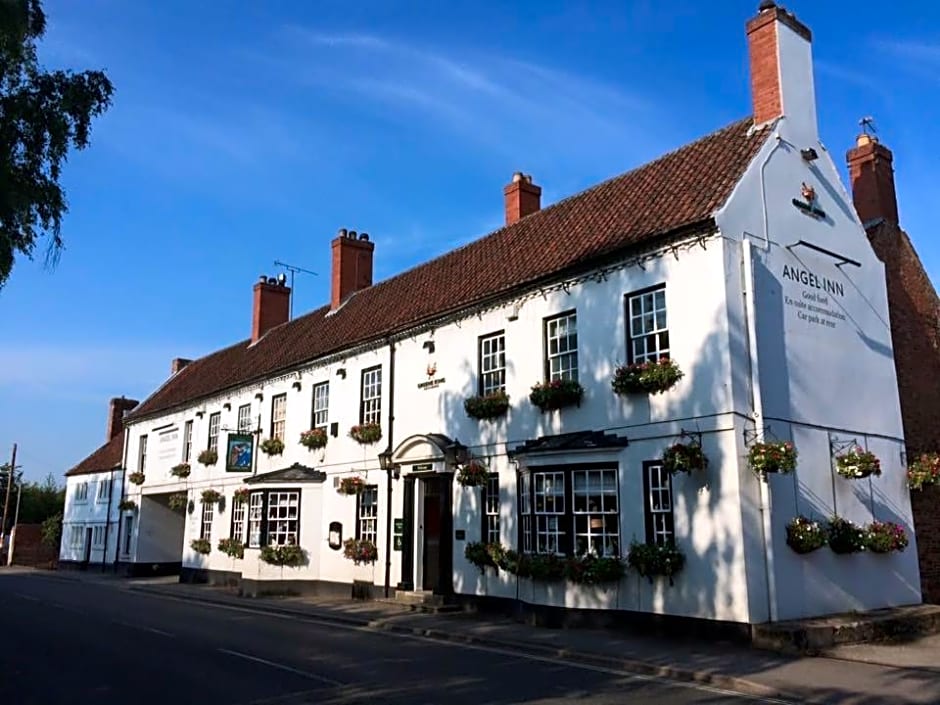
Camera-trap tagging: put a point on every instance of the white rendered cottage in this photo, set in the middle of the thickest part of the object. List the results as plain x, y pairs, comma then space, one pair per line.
739, 257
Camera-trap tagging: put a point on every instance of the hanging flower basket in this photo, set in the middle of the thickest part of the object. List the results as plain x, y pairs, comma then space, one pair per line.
240, 496
176, 501
845, 537
594, 570
652, 560
210, 496
805, 535
272, 446
556, 394
136, 478
473, 474
856, 464
771, 457
646, 377
478, 554
351, 485
684, 457
491, 406
885, 537
232, 547
127, 505
181, 471
202, 546
360, 551
208, 457
314, 438
924, 471
366, 434
290, 555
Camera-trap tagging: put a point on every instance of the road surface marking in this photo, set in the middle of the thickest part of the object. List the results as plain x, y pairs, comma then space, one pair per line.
141, 627
281, 666
28, 597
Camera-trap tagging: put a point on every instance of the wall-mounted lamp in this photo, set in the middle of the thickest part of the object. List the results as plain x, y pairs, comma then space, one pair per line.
385, 462
259, 396
456, 454
341, 372
429, 346
296, 384
809, 154
227, 406
200, 414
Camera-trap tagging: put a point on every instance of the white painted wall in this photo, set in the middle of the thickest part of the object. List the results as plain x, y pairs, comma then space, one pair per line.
90, 513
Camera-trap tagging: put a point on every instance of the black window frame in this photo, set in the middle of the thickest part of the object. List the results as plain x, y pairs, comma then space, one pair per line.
367, 488
362, 389
648, 508
631, 357
263, 534
480, 373
546, 362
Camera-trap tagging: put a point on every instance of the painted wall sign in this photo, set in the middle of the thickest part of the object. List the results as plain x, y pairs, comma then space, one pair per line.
240, 449
431, 383
168, 447
816, 304
397, 535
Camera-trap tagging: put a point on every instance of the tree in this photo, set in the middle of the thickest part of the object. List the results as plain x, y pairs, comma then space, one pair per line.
40, 500
42, 115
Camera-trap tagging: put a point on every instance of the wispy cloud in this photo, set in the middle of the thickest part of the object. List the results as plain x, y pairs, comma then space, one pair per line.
918, 57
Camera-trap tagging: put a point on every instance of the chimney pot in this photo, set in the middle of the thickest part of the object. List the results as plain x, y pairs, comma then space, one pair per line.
521, 197
364, 236
177, 364
352, 265
342, 232
270, 307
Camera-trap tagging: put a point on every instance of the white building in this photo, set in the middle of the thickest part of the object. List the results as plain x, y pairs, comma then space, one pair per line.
91, 520
739, 257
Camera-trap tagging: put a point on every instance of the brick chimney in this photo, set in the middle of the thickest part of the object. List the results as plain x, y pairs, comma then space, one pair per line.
781, 62
177, 364
522, 197
117, 408
872, 176
271, 306
352, 265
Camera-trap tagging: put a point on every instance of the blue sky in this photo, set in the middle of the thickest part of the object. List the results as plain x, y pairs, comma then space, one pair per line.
247, 132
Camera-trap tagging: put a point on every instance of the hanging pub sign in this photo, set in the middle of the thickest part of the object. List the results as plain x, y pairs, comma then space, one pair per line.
239, 452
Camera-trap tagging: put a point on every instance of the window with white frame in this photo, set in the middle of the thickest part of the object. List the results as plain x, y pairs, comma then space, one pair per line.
367, 513
244, 418
492, 363
239, 513
283, 518
77, 537
205, 526
255, 517
214, 420
570, 510
657, 486
371, 397
278, 416
81, 492
142, 454
561, 347
187, 441
321, 404
648, 333
104, 489
490, 531
97, 536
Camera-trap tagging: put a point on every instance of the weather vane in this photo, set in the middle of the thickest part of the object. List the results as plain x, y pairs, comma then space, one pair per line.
868, 125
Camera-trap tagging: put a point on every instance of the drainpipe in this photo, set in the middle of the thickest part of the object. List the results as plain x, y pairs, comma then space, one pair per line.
758, 414
107, 523
388, 476
117, 543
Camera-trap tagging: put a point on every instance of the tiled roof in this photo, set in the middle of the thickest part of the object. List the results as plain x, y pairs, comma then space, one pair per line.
679, 190
107, 457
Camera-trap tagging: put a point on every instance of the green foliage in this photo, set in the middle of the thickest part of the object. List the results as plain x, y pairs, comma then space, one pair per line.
43, 114
491, 406
479, 554
52, 531
651, 560
272, 446
360, 551
177, 500
845, 537
38, 500
885, 537
232, 547
684, 457
290, 555
924, 471
646, 377
805, 535
201, 546
593, 570
556, 394
540, 566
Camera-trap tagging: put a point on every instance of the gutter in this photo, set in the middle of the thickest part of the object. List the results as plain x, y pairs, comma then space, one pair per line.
107, 523
117, 543
388, 477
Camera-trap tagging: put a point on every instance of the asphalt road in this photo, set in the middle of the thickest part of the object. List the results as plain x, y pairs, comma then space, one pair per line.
67, 641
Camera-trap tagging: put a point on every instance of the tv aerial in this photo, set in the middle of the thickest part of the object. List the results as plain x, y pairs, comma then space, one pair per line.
293, 269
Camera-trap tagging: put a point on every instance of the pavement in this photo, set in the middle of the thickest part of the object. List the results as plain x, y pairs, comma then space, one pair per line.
664, 670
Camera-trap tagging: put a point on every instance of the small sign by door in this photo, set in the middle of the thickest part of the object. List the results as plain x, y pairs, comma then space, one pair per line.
397, 534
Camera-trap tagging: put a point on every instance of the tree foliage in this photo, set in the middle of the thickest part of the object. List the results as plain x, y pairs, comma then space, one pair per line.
42, 115
38, 500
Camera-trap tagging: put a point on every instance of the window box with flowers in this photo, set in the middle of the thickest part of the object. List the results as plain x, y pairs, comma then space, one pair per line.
646, 377
652, 560
272, 446
924, 471
771, 457
487, 407
181, 471
232, 547
314, 438
805, 535
202, 546
136, 478
210, 496
350, 485
684, 457
594, 570
366, 434
360, 551
540, 566
208, 457
857, 464
845, 537
240, 496
473, 474
290, 555
885, 537
177, 501
127, 505
480, 555
557, 394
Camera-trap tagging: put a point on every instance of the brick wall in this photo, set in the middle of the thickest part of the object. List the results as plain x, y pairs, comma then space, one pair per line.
28, 548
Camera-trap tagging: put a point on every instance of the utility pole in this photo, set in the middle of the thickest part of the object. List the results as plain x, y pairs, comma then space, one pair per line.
11, 473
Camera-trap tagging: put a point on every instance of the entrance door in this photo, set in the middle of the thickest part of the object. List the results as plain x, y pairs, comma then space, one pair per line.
431, 575
87, 558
